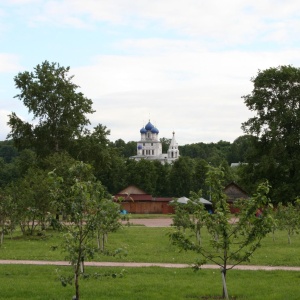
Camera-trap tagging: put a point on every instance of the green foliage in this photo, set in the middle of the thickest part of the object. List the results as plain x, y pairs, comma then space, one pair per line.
82, 202
181, 177
230, 243
288, 218
59, 109
7, 151
142, 174
30, 201
275, 154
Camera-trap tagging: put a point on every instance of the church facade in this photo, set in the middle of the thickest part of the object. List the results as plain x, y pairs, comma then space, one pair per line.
149, 147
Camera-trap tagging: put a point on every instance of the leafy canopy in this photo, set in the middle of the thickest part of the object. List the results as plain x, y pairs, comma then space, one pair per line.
275, 156
59, 111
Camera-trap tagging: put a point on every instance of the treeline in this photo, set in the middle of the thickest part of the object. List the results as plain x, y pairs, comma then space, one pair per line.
113, 167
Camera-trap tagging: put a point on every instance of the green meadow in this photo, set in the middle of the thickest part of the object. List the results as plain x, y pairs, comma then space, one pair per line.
145, 244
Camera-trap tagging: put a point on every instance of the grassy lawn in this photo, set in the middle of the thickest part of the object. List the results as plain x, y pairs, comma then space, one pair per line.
146, 244
40, 282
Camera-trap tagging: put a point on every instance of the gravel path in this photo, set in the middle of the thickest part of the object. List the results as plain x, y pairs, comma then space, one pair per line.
141, 265
164, 222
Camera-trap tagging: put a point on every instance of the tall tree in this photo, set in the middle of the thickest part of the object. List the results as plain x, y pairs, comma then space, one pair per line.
275, 100
58, 109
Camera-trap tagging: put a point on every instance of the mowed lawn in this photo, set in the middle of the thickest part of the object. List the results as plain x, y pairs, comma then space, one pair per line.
145, 244
40, 282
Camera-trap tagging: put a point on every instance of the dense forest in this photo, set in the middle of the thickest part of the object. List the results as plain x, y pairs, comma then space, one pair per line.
113, 167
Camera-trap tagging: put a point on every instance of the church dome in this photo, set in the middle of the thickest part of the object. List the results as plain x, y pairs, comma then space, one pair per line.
149, 126
140, 147
143, 130
154, 130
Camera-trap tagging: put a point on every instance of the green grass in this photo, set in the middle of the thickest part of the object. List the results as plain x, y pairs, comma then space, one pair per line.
146, 244
40, 282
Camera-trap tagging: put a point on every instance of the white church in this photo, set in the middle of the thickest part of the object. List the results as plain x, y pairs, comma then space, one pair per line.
149, 147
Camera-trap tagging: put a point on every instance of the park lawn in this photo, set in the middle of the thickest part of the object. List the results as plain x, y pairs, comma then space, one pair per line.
145, 244
41, 282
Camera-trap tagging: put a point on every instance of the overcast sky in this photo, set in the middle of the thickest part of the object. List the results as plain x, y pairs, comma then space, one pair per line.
183, 64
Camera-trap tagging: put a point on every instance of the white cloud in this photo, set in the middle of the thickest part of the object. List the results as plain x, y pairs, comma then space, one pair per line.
187, 72
3, 124
9, 62
197, 94
225, 22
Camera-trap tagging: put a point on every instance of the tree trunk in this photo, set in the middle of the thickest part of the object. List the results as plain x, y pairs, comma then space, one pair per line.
103, 241
98, 240
2, 237
225, 293
76, 280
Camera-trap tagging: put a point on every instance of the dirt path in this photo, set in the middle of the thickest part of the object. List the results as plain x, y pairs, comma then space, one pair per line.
142, 265
161, 222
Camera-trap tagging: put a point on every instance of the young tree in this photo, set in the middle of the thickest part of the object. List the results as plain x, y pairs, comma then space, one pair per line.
108, 221
199, 214
83, 201
288, 218
59, 110
275, 100
7, 214
230, 244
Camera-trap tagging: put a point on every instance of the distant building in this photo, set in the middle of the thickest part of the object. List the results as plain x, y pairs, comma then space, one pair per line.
137, 201
234, 192
149, 147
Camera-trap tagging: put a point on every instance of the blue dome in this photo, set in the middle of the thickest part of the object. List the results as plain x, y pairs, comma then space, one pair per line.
154, 130
149, 126
140, 147
143, 130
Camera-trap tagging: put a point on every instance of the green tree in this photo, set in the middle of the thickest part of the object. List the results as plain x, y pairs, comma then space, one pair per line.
165, 142
57, 108
181, 177
126, 149
199, 214
32, 200
7, 151
108, 221
142, 173
240, 149
275, 100
162, 179
230, 244
199, 176
288, 218
83, 205
7, 214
